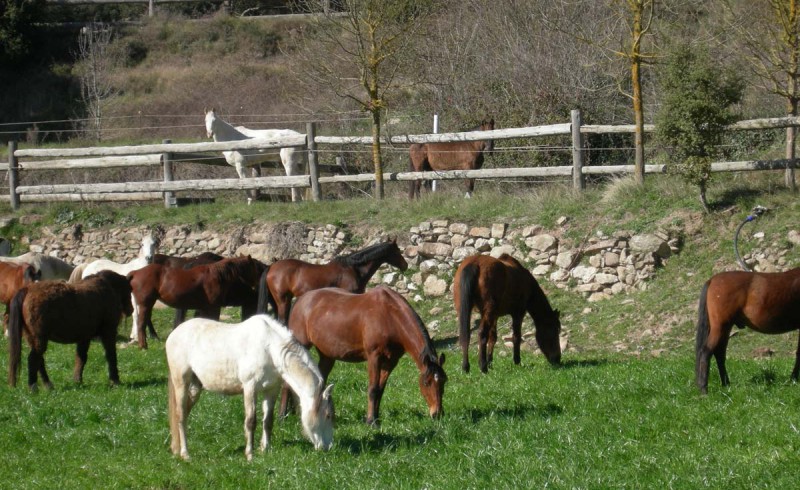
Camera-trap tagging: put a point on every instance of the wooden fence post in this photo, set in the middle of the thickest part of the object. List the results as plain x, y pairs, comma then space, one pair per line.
169, 197
578, 180
13, 175
313, 169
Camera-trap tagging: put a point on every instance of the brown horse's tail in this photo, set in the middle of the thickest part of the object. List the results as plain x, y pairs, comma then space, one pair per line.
702, 321
466, 284
264, 296
15, 325
173, 416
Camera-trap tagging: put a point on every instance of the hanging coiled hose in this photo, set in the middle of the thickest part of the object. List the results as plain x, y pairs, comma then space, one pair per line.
757, 211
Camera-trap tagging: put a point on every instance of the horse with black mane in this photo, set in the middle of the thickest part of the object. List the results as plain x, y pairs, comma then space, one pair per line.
454, 155
766, 302
498, 287
67, 313
206, 288
291, 278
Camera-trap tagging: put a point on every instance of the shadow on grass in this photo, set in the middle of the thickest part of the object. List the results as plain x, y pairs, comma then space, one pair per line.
581, 363
382, 442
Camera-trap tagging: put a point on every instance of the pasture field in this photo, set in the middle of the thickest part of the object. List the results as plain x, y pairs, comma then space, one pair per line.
622, 411
600, 421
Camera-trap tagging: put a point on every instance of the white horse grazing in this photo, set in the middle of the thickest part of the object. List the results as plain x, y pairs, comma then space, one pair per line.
146, 253
293, 159
50, 267
251, 357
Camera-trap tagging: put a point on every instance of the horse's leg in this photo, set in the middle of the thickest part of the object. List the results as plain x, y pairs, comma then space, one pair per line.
719, 354
145, 316
386, 368
249, 420
487, 325
268, 421
470, 185
374, 392
81, 354
110, 348
796, 370
516, 335
490, 343
35, 365
182, 408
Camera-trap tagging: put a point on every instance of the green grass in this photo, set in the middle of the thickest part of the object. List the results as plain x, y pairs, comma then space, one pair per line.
622, 412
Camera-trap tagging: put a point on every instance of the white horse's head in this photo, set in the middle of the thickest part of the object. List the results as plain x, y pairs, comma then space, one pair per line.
211, 119
317, 420
149, 246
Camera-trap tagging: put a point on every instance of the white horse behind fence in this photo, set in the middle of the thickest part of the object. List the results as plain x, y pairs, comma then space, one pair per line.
293, 159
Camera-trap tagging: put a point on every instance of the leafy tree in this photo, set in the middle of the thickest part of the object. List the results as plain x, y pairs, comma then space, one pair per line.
360, 54
696, 107
16, 28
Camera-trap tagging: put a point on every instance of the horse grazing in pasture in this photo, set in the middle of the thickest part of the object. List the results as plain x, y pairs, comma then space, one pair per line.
766, 302
14, 277
378, 327
207, 288
456, 155
251, 357
498, 287
51, 268
67, 313
293, 159
291, 278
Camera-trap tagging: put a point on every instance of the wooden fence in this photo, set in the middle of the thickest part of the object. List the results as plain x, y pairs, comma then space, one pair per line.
164, 154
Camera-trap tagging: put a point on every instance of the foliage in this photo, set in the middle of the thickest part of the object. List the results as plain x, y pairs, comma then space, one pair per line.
16, 28
696, 107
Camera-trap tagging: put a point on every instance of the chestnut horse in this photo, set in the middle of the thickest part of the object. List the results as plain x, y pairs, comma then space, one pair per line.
291, 278
67, 313
12, 278
455, 155
207, 288
378, 327
766, 302
498, 287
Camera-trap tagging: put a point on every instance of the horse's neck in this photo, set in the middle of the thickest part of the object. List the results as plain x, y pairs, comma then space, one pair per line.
365, 271
301, 376
226, 132
538, 304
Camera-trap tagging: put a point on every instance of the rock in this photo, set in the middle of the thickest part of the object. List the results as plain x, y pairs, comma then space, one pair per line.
542, 243
502, 249
650, 244
434, 286
565, 259
498, 230
480, 232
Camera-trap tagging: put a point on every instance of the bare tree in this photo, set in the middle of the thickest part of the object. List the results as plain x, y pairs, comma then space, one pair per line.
97, 63
360, 54
769, 33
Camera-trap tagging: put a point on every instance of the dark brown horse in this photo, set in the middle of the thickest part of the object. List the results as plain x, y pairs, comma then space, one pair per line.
68, 314
291, 278
206, 288
765, 302
14, 277
456, 155
378, 327
498, 287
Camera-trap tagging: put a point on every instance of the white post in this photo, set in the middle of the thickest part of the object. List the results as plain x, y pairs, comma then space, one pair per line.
435, 130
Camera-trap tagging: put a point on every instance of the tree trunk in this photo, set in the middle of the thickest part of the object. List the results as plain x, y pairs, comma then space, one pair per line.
377, 159
793, 96
636, 82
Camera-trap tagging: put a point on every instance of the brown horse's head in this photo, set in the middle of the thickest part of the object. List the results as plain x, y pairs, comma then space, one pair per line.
395, 256
548, 330
251, 271
487, 125
431, 384
120, 286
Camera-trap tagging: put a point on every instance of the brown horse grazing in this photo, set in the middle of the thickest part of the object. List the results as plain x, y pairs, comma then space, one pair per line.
207, 288
68, 314
291, 278
14, 277
765, 302
378, 327
456, 155
498, 287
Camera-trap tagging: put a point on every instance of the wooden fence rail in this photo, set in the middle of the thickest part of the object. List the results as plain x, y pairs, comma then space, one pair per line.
165, 153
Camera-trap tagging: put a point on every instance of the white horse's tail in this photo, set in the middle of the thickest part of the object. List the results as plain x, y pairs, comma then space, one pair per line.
77, 273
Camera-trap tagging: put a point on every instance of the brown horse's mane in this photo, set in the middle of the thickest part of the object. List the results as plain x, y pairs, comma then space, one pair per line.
228, 269
429, 352
368, 254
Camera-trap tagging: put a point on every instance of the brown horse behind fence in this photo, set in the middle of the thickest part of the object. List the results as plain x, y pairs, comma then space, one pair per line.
291, 278
206, 288
456, 155
68, 314
766, 302
378, 327
14, 277
498, 287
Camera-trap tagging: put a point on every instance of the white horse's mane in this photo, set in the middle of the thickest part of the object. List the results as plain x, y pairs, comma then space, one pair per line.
293, 360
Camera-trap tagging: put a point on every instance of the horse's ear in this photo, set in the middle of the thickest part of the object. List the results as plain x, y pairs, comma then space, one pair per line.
326, 395
441, 359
